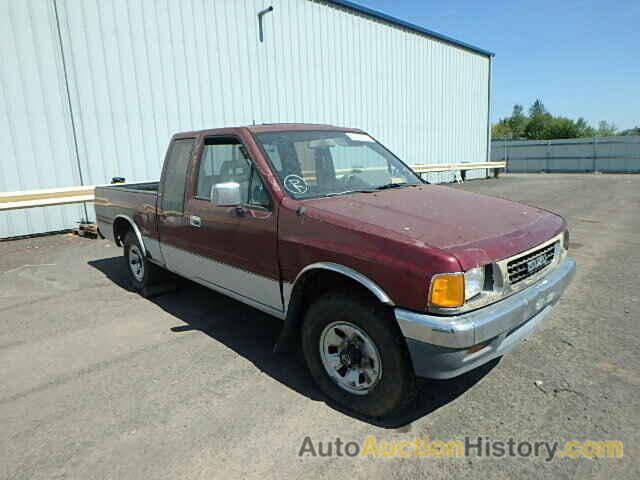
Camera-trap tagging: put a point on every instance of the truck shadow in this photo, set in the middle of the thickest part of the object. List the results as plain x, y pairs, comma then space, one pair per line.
253, 334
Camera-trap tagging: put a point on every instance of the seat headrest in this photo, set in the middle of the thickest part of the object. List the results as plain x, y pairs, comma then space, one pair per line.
236, 170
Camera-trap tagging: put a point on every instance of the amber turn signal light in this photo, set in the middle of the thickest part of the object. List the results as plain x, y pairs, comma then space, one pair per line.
447, 290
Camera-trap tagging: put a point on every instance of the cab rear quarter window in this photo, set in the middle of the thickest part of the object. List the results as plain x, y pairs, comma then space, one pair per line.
175, 175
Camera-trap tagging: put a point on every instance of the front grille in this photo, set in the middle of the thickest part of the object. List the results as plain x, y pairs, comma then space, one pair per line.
531, 263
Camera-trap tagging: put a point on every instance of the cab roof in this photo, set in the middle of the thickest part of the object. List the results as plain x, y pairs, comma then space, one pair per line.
278, 127
266, 127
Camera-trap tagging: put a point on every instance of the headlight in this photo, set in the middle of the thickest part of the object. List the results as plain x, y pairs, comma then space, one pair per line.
565, 240
473, 282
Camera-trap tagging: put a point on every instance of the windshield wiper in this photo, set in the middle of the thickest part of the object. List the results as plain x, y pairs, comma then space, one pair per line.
334, 194
394, 185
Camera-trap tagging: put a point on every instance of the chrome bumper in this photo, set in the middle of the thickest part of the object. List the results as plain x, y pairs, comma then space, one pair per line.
486, 323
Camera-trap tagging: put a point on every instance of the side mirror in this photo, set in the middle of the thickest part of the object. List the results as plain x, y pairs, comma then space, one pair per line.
226, 194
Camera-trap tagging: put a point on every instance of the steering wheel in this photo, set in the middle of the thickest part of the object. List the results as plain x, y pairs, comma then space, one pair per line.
353, 182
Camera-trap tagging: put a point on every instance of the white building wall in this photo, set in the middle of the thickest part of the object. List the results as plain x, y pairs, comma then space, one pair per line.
139, 71
36, 138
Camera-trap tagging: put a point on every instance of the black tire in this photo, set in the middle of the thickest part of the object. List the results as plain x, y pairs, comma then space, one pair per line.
151, 273
395, 389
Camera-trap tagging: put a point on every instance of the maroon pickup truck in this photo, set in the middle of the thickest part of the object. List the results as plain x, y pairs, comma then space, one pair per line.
378, 275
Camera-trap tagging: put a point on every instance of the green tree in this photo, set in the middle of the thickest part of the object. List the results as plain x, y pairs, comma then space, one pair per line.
536, 126
537, 109
606, 129
631, 131
584, 130
559, 127
518, 121
539, 120
501, 130
541, 125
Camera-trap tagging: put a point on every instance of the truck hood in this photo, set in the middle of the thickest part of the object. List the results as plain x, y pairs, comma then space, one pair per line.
476, 229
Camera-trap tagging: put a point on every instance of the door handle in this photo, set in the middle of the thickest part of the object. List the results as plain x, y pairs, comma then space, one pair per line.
195, 221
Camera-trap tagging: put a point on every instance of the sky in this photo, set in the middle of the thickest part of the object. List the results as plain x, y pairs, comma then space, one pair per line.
581, 58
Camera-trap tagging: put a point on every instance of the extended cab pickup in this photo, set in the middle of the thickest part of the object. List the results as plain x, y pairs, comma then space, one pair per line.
379, 275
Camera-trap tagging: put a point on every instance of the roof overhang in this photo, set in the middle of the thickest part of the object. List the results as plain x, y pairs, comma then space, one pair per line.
409, 26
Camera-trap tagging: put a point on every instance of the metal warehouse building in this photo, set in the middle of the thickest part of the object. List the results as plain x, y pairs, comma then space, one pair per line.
92, 89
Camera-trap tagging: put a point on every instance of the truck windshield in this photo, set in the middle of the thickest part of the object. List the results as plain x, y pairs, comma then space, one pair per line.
325, 163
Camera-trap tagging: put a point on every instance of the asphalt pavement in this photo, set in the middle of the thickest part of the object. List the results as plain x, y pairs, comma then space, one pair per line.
98, 382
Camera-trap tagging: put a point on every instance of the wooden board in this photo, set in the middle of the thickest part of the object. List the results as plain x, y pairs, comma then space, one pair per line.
457, 166
69, 195
46, 202
49, 196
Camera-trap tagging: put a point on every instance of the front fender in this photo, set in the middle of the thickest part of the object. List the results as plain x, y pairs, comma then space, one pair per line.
366, 282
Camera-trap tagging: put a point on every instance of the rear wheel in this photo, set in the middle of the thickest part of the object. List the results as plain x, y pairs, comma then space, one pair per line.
142, 273
357, 355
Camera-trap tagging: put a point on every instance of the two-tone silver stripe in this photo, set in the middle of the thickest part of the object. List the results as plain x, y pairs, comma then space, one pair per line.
256, 290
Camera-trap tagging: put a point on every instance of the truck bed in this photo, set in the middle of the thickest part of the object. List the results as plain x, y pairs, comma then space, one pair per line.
136, 201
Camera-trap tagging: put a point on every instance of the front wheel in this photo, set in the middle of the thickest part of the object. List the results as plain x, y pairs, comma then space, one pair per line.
357, 355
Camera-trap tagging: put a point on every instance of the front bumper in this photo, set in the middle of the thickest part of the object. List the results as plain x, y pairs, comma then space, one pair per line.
438, 344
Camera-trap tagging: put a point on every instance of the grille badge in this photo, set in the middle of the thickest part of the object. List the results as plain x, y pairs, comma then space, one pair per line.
536, 263
531, 263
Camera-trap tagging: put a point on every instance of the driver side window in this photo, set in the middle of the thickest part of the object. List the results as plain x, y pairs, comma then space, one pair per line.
225, 159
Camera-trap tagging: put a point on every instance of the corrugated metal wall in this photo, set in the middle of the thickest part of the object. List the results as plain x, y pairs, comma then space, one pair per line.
138, 71
36, 136
606, 154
